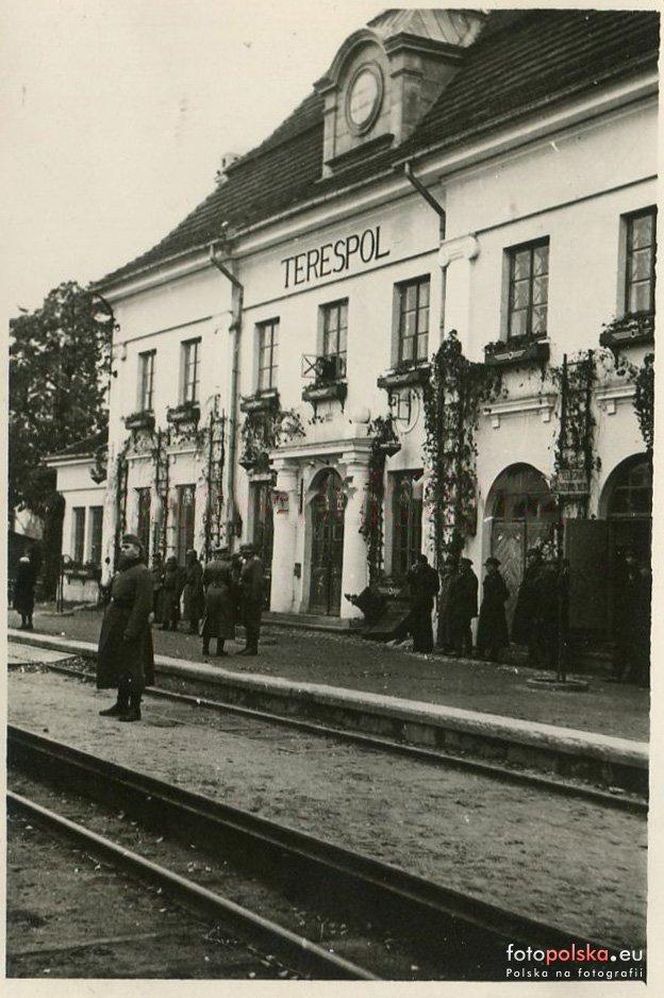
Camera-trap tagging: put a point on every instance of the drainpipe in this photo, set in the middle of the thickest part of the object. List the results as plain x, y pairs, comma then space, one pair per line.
440, 211
427, 195
237, 299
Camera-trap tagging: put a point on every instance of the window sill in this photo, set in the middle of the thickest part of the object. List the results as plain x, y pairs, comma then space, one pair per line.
334, 390
140, 420
510, 354
417, 374
630, 330
188, 412
266, 401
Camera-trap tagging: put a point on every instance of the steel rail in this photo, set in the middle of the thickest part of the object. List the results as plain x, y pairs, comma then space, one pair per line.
504, 774
308, 956
458, 927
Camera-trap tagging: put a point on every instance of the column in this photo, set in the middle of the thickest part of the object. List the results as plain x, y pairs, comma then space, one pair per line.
456, 257
285, 533
355, 571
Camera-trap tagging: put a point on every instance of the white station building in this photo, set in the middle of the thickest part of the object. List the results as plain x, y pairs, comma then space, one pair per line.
490, 174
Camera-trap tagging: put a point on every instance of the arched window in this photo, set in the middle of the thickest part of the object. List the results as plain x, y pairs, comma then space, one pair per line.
630, 490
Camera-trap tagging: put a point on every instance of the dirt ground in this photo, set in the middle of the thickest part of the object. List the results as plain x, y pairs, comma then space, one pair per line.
348, 661
69, 915
564, 861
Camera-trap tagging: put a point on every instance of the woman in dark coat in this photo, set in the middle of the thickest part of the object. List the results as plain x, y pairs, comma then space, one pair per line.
492, 627
170, 595
24, 592
193, 597
220, 599
125, 658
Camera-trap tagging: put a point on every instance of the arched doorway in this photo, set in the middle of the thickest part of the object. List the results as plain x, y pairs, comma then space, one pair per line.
524, 513
327, 543
626, 503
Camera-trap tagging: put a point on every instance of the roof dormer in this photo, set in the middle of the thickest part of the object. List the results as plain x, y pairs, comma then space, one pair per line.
385, 77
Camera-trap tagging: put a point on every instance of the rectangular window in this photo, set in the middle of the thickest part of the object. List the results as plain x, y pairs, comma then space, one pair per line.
144, 499
146, 380
528, 289
186, 516
407, 521
268, 354
413, 305
335, 333
641, 249
78, 534
96, 521
190, 370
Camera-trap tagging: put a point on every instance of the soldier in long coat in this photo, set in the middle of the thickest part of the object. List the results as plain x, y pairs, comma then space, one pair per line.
170, 595
492, 626
252, 591
462, 607
125, 658
220, 598
192, 596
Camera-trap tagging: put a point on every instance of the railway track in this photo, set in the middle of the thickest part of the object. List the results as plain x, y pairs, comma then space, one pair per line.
438, 933
567, 788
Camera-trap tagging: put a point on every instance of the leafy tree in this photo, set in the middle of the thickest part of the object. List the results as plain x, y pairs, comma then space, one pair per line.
59, 364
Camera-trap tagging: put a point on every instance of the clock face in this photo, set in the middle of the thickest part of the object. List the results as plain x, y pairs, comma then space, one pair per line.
364, 98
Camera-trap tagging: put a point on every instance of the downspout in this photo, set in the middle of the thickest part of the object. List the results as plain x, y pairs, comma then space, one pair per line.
237, 300
440, 211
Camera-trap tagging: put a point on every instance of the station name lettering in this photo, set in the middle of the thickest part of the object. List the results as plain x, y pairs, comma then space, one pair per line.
333, 258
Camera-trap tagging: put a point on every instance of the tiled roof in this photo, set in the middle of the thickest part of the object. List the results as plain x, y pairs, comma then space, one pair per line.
522, 62
83, 448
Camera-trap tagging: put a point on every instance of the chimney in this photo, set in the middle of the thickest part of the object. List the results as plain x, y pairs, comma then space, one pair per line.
227, 161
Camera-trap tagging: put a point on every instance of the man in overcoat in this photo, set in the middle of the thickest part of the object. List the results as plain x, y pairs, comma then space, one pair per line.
125, 658
220, 599
492, 625
524, 624
424, 583
192, 596
24, 591
251, 597
462, 607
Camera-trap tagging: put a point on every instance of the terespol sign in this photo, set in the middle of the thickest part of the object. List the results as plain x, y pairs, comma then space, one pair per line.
333, 258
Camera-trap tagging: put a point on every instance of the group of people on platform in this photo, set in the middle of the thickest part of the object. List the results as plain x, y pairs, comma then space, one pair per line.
227, 591
211, 599
458, 605
541, 614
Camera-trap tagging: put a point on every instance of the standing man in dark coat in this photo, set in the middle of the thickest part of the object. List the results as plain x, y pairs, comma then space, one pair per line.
251, 596
424, 584
492, 627
192, 596
219, 620
462, 607
445, 635
524, 630
157, 573
24, 591
125, 658
170, 595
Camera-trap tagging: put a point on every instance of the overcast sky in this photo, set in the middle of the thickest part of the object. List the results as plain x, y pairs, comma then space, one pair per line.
118, 111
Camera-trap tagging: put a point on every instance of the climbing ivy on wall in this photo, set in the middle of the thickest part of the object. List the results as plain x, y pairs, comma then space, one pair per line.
384, 442
452, 399
644, 400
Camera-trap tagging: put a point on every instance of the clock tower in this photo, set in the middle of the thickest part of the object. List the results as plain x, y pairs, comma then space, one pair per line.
385, 77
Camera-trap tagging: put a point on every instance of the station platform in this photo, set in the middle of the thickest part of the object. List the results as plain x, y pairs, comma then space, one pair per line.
605, 758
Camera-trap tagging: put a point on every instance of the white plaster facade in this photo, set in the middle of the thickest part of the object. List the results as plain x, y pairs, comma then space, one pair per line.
570, 174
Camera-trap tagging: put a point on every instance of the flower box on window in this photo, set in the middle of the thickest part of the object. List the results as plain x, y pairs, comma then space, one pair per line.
517, 351
187, 413
328, 373
265, 401
405, 374
630, 330
143, 420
